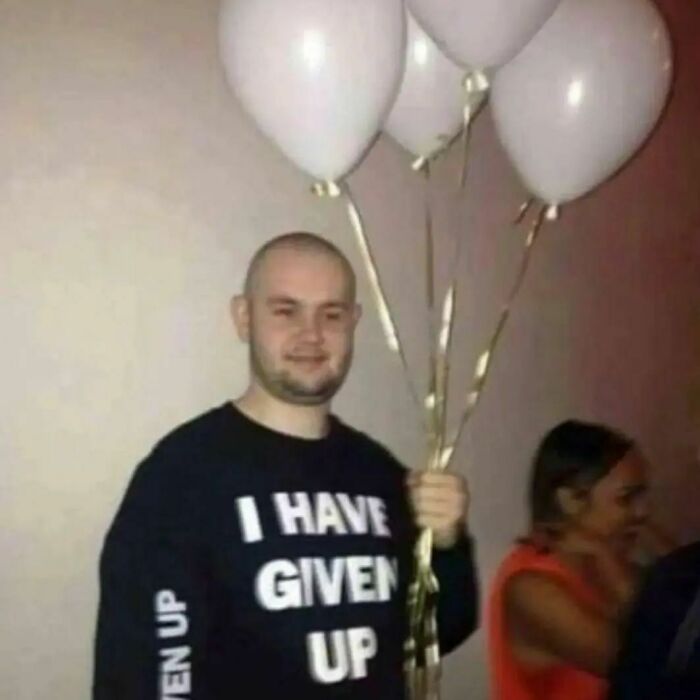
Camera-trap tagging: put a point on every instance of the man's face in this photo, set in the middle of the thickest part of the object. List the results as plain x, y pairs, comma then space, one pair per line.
299, 320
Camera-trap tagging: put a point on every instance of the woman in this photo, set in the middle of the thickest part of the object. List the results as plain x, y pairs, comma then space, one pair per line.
560, 597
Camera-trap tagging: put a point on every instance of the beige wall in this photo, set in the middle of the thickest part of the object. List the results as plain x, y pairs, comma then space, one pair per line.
132, 192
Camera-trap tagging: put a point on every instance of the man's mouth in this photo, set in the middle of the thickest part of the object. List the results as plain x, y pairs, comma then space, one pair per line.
309, 360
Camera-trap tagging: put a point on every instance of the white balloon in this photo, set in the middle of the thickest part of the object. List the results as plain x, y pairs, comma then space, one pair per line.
582, 97
429, 109
318, 76
482, 33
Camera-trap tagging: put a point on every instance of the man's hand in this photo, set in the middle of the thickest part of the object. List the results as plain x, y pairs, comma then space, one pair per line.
440, 502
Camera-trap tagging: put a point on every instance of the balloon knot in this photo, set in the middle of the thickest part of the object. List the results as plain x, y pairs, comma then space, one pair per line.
326, 188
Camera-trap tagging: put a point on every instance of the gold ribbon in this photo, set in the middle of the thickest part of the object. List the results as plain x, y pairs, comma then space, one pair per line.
326, 189
437, 401
429, 254
524, 209
422, 162
422, 649
391, 333
422, 652
431, 397
475, 85
484, 361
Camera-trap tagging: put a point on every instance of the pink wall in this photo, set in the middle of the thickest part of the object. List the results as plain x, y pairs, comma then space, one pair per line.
607, 327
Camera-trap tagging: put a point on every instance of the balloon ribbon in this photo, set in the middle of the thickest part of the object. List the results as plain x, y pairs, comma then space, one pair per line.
422, 651
389, 327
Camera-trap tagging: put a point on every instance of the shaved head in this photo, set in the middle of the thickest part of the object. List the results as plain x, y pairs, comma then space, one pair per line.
302, 242
298, 315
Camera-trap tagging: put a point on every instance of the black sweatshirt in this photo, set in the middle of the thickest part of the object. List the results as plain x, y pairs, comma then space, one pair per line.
244, 563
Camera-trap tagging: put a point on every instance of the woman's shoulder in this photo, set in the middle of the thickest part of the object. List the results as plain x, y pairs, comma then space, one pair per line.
526, 557
529, 571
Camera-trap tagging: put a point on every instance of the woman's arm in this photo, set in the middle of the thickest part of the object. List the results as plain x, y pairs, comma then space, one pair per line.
547, 624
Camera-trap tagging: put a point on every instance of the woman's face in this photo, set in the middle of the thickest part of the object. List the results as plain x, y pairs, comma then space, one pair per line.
617, 505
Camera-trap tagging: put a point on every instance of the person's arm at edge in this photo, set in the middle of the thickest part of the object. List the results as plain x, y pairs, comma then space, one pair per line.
152, 612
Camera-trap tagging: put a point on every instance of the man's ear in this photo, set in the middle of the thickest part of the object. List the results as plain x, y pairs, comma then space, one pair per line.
356, 314
240, 313
572, 502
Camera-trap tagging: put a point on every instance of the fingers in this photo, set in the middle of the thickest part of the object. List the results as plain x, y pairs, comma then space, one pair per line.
439, 500
438, 522
437, 484
438, 480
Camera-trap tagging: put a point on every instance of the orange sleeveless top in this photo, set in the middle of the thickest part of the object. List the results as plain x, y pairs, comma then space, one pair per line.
509, 680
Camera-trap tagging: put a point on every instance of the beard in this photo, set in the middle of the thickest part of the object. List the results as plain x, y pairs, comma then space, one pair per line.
285, 385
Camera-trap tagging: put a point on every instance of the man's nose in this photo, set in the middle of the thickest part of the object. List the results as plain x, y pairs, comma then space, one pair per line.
311, 327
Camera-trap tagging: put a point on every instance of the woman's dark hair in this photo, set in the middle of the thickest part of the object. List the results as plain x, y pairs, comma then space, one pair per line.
573, 454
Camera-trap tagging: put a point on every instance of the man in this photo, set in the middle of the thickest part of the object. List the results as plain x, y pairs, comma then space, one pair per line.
660, 655
264, 549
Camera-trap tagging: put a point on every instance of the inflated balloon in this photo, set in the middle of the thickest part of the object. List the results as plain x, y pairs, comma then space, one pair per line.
318, 77
582, 97
482, 33
429, 109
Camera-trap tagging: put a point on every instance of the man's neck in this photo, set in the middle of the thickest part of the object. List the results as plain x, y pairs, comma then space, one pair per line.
308, 422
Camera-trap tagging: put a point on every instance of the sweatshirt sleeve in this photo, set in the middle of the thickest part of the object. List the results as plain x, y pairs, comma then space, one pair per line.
153, 614
458, 599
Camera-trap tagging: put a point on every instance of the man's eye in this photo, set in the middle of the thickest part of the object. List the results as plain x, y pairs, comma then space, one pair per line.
334, 315
283, 311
